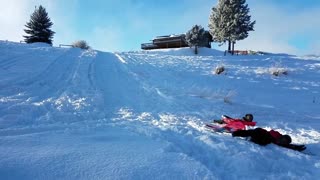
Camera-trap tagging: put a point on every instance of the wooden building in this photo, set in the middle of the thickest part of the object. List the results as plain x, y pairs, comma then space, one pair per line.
163, 42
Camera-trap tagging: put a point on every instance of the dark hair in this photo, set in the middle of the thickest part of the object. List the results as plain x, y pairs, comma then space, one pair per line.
285, 139
248, 117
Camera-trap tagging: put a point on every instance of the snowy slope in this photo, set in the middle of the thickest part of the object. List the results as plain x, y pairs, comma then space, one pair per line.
73, 114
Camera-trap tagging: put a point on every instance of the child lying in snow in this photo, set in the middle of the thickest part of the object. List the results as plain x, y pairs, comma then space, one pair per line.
231, 124
263, 137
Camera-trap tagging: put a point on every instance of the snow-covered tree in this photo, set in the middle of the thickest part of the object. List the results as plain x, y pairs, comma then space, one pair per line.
230, 22
218, 22
195, 37
38, 28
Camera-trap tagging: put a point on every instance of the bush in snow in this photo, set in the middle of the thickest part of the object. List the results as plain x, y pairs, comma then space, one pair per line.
276, 70
230, 94
81, 44
219, 69
227, 96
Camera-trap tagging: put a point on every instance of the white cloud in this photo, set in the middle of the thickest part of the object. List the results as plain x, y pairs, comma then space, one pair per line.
275, 27
106, 38
12, 19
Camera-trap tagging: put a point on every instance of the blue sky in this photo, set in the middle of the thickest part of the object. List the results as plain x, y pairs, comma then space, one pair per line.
290, 26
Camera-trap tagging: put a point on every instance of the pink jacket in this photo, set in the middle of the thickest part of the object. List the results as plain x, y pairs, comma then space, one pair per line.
237, 124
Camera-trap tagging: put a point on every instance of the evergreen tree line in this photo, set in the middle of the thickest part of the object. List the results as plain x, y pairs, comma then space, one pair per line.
229, 22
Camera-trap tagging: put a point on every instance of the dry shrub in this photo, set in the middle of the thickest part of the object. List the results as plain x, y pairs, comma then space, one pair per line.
81, 44
230, 94
275, 70
219, 69
278, 71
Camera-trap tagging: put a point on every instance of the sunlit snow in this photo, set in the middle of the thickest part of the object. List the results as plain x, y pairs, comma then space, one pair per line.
85, 114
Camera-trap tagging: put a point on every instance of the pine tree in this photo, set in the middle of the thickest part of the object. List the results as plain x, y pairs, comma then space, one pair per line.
230, 22
218, 22
38, 28
195, 37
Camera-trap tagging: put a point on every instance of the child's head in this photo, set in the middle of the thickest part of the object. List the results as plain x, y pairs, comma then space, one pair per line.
248, 117
284, 140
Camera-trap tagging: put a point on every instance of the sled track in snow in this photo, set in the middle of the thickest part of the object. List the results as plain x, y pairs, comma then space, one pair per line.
65, 88
53, 79
182, 138
8, 63
91, 74
25, 81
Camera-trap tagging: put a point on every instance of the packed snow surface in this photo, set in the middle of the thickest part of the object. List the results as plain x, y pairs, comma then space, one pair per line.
76, 114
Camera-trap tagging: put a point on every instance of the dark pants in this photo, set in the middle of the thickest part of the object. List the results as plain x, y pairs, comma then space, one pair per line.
258, 135
263, 137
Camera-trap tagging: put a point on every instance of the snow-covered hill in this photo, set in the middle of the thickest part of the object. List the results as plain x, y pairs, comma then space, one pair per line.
74, 114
